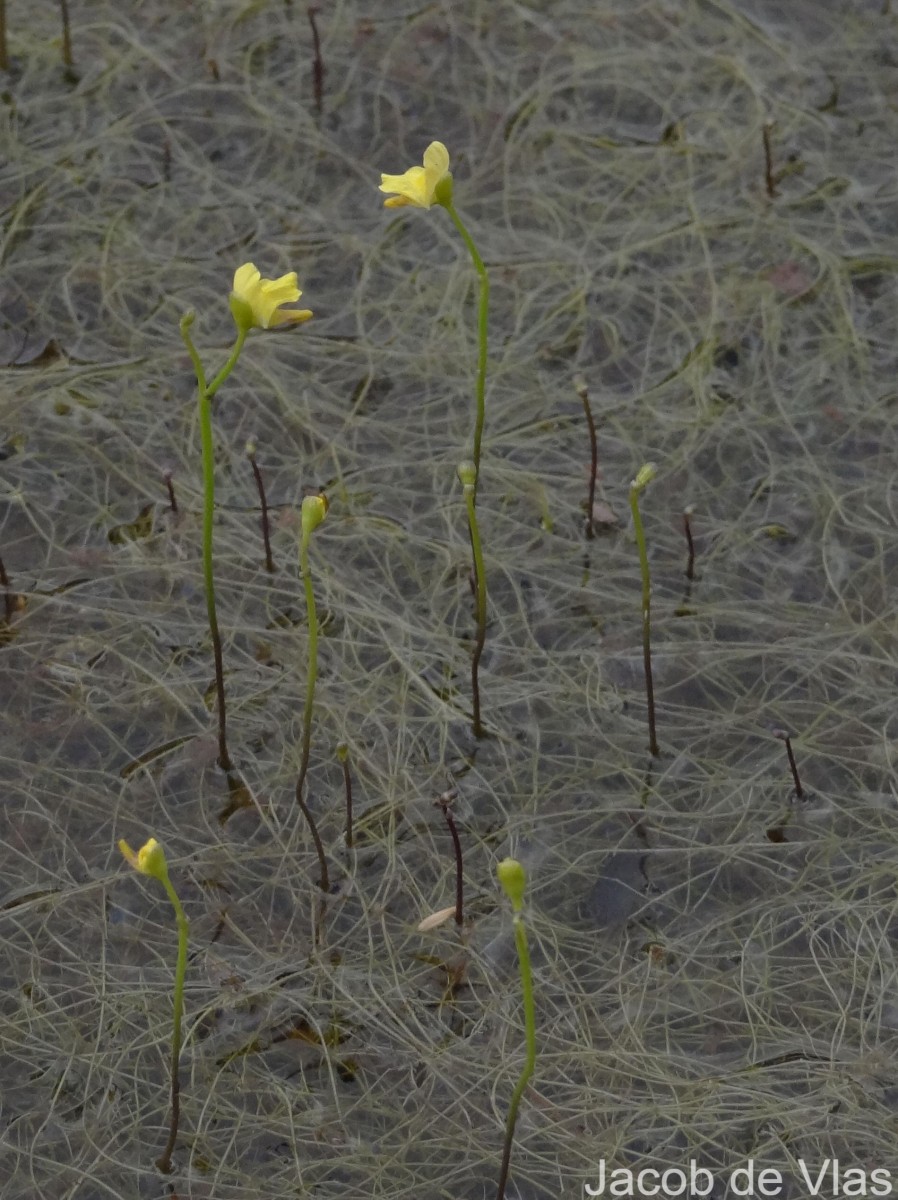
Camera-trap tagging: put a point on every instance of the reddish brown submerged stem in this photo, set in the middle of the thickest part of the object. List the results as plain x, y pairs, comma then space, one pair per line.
317, 60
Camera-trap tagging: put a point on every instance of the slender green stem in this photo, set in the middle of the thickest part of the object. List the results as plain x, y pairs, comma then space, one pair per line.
198, 368
482, 334
164, 1160
514, 889
635, 489
205, 394
230, 364
224, 758
480, 599
311, 679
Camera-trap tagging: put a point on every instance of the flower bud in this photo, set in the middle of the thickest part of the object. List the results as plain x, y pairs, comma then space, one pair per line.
467, 474
314, 510
513, 879
149, 859
644, 476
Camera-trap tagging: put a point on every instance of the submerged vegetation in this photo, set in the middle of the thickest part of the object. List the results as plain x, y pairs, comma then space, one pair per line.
687, 212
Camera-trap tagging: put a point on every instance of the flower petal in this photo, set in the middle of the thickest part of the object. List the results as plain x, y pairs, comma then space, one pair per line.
436, 162
149, 859
290, 316
412, 186
130, 855
284, 290
246, 277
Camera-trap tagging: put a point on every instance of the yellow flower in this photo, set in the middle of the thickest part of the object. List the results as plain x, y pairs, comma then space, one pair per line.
257, 302
421, 186
149, 859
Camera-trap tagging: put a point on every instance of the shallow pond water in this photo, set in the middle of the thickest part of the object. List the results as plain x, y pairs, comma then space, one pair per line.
714, 955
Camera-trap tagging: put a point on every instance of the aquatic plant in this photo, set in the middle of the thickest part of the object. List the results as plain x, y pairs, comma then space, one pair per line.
150, 860
444, 804
423, 187
783, 736
583, 393
513, 880
690, 542
467, 474
644, 476
263, 504
314, 510
255, 303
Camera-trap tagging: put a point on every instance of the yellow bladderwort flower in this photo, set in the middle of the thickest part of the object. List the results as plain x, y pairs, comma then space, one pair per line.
258, 303
149, 859
421, 187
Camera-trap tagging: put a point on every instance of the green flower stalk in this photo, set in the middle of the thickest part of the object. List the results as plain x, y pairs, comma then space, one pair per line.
483, 309
467, 474
513, 879
150, 860
644, 476
255, 303
314, 510
423, 187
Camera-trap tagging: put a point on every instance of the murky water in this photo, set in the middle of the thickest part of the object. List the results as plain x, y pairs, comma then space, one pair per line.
713, 955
